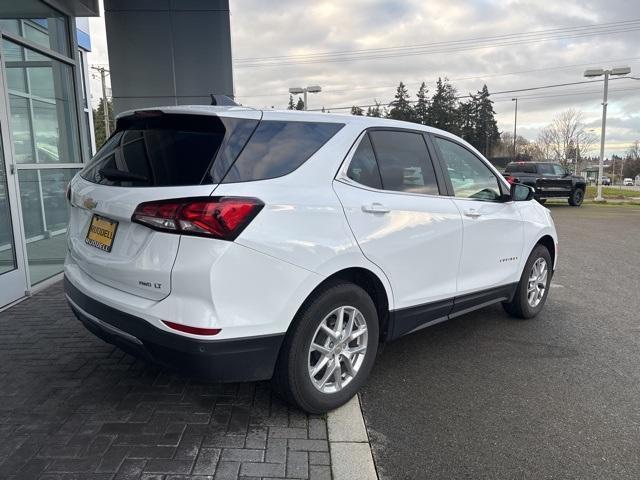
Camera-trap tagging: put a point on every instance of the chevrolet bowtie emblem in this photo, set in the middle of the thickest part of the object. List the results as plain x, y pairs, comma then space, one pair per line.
89, 203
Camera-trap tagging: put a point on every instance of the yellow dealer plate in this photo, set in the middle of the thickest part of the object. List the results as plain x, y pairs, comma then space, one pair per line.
101, 233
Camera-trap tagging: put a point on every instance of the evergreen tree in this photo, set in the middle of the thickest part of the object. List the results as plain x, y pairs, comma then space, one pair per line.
467, 119
400, 107
291, 105
300, 104
98, 122
442, 111
356, 110
486, 126
374, 111
421, 109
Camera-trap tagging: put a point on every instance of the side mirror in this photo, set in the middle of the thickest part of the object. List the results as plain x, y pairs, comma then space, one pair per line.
521, 192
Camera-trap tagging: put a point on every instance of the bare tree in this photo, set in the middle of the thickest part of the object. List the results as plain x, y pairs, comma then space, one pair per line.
633, 153
544, 144
566, 140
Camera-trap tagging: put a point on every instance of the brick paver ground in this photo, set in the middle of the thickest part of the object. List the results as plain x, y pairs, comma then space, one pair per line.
74, 407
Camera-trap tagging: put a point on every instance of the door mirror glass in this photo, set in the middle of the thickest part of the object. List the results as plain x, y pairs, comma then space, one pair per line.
521, 192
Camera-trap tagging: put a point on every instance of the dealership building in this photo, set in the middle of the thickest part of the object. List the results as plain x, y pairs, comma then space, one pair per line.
161, 52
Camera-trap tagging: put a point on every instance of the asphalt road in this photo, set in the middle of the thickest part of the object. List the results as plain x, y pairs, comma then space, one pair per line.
558, 396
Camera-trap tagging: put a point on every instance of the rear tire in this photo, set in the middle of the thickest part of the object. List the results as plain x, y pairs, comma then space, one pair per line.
576, 198
533, 288
350, 361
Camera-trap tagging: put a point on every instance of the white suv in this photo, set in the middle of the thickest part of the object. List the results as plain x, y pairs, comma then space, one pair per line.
245, 245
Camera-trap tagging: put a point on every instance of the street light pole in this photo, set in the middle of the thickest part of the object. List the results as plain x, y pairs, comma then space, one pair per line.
304, 91
599, 197
597, 73
515, 128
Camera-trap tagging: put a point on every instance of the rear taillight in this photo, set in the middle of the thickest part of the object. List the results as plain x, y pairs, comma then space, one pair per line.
511, 179
215, 217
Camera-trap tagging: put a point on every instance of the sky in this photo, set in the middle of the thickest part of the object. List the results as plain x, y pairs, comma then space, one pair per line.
508, 44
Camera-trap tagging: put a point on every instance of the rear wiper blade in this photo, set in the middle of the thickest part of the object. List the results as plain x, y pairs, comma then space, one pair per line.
113, 174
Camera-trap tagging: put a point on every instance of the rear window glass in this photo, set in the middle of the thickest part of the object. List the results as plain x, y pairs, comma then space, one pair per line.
277, 148
520, 167
168, 150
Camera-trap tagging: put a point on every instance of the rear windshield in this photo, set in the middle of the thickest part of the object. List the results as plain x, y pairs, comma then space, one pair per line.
520, 167
166, 150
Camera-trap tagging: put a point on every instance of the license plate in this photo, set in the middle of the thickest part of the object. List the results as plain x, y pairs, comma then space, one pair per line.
101, 233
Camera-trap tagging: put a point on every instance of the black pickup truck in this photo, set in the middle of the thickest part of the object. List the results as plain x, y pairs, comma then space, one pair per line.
550, 180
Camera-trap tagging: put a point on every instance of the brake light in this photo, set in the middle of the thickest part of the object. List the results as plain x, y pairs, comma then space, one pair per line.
193, 330
215, 217
511, 179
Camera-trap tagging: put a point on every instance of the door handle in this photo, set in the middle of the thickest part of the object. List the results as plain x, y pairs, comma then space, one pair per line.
375, 208
472, 213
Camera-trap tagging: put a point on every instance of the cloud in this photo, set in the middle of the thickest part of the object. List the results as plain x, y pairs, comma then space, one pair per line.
262, 28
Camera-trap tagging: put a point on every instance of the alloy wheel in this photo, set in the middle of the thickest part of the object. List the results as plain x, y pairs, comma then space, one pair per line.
537, 284
338, 349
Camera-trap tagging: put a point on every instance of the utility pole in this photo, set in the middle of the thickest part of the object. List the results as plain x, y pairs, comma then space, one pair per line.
105, 104
591, 73
515, 128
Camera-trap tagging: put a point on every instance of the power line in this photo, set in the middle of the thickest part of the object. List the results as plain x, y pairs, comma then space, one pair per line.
450, 42
559, 67
458, 97
301, 60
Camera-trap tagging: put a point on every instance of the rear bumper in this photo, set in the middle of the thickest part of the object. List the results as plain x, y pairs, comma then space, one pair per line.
242, 359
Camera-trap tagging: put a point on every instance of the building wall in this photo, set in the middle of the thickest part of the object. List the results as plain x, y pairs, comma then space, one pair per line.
168, 52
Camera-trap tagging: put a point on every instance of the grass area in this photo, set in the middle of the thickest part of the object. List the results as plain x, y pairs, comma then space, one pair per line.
612, 193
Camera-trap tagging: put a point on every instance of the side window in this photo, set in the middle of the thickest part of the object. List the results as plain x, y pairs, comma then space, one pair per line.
470, 177
363, 167
278, 148
546, 169
558, 170
404, 162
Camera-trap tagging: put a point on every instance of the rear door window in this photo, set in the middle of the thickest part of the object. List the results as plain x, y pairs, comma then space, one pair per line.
363, 167
404, 162
277, 148
166, 150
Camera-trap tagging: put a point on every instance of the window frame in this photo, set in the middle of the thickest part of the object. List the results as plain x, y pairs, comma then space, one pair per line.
502, 183
342, 176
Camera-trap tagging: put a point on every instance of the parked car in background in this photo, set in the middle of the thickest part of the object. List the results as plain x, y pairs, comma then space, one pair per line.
628, 182
606, 181
240, 245
550, 180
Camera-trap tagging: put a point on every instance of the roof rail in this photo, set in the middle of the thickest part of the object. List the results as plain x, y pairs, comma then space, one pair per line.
223, 100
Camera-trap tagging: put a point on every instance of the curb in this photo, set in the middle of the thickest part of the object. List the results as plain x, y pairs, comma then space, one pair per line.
351, 456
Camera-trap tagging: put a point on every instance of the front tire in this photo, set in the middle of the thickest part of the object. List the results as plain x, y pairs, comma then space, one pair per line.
329, 350
533, 288
576, 198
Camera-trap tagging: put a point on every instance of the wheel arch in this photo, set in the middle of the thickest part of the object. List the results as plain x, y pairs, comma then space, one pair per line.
549, 243
370, 282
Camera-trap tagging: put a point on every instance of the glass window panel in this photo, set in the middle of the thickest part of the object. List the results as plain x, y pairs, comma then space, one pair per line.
44, 121
31, 204
11, 26
404, 162
278, 148
363, 167
7, 251
470, 177
39, 23
45, 212
21, 130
